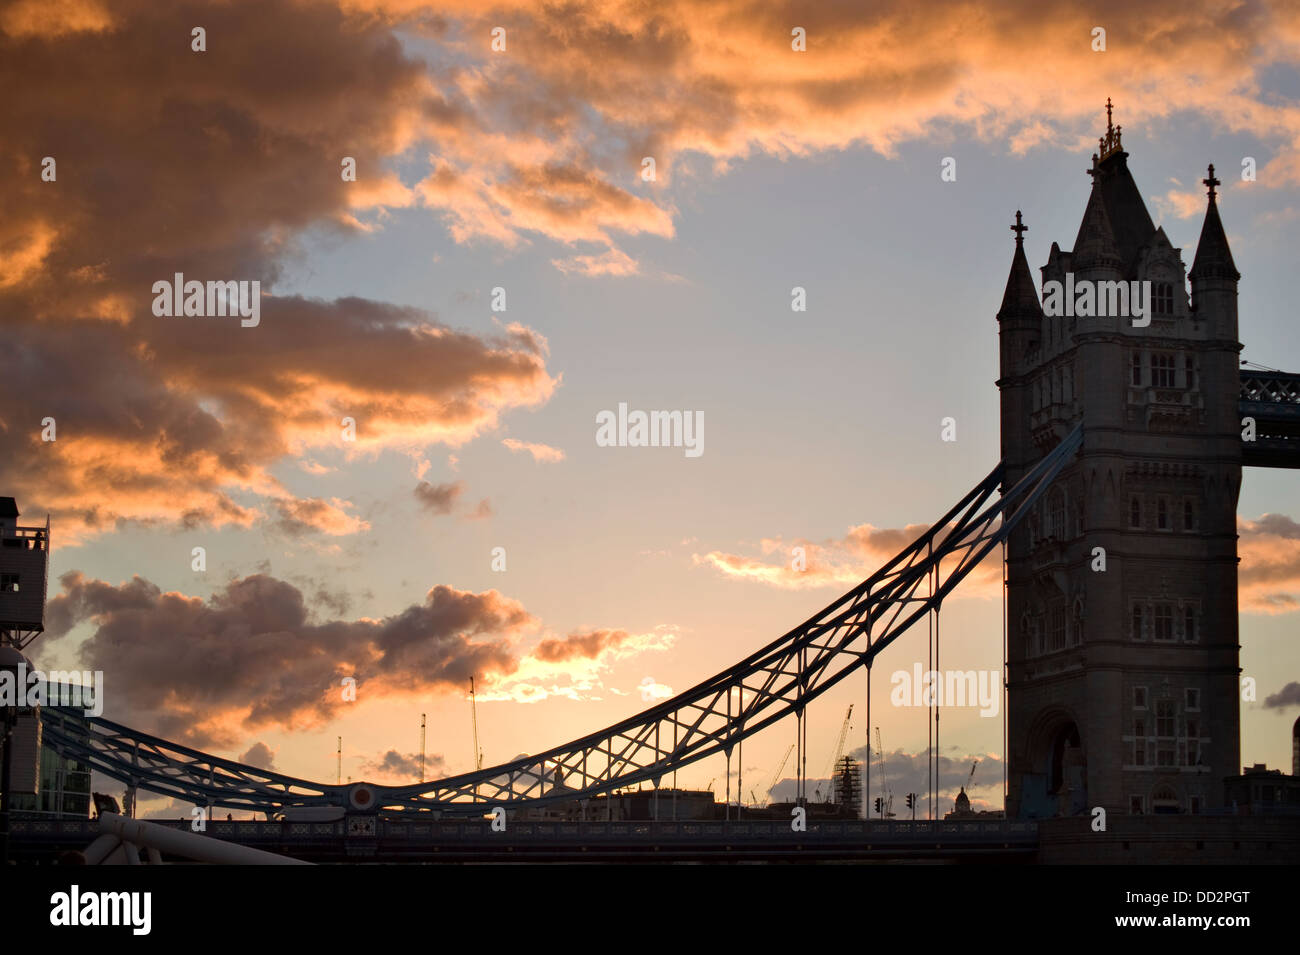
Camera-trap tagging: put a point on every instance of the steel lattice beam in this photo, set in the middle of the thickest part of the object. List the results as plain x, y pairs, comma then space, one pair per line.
772, 683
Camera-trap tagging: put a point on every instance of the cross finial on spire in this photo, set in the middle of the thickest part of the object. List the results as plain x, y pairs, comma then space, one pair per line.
1110, 143
1212, 182
1019, 229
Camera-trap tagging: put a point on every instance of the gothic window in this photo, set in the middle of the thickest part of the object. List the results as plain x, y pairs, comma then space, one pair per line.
1192, 750
1162, 370
1135, 369
1058, 628
1164, 622
1189, 371
1165, 719
1189, 624
1163, 293
1134, 511
1189, 516
1139, 742
1137, 622
1056, 515
1139, 697
1162, 513
1193, 703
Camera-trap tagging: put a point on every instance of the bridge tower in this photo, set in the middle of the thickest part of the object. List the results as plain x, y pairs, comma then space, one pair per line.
1122, 648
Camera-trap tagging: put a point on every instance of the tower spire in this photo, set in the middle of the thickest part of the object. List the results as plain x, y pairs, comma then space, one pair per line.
1213, 256
1020, 300
1212, 183
1110, 143
1019, 229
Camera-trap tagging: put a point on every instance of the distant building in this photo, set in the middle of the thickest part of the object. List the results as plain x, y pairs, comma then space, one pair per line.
961, 810
1260, 790
41, 780
848, 786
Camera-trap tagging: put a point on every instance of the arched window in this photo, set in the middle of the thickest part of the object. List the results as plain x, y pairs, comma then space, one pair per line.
1163, 293
1164, 800
1056, 515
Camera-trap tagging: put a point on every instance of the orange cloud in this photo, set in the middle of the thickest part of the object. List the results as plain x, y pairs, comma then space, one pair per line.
540, 452
844, 562
1268, 577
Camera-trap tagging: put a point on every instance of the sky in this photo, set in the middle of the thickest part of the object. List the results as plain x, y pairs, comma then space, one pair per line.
471, 524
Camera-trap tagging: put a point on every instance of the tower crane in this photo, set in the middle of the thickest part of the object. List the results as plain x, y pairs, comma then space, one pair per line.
886, 791
829, 779
776, 777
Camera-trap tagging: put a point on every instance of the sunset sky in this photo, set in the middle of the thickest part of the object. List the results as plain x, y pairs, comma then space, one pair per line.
630, 572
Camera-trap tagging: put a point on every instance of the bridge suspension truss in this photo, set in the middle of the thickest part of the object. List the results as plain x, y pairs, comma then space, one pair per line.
713, 717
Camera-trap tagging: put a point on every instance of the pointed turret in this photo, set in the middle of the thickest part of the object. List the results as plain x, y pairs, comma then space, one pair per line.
1214, 275
1213, 257
1020, 300
1020, 324
1095, 246
1113, 188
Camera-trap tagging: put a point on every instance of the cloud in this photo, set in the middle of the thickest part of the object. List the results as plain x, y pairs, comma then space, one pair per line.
1289, 695
439, 498
840, 562
540, 452
215, 173
395, 767
1268, 577
587, 645
259, 755
1180, 204
612, 262
572, 666
908, 772
301, 516
249, 658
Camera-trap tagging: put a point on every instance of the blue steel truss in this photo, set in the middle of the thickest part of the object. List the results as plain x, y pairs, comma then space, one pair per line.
775, 682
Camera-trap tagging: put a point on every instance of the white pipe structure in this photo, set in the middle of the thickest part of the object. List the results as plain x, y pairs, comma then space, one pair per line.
152, 836
100, 849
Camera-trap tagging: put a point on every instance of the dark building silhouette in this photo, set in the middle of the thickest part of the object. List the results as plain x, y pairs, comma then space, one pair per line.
1123, 675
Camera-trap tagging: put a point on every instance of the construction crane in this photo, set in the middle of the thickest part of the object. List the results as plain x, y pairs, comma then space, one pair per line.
971, 778
776, 777
473, 709
828, 779
886, 791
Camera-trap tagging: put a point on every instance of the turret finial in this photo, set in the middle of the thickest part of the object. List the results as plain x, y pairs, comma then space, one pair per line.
1019, 229
1212, 182
1110, 143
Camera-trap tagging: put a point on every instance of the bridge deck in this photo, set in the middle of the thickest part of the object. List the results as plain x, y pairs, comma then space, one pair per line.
365, 837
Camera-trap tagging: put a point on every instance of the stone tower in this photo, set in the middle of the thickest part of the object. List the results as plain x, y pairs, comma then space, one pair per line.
1122, 645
